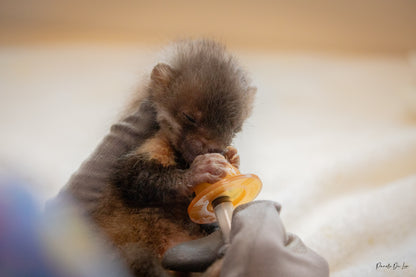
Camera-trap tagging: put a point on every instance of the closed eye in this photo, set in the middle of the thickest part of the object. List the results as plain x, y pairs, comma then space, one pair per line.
189, 118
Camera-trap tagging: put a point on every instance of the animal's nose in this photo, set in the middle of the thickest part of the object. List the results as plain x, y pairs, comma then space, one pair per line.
201, 146
215, 150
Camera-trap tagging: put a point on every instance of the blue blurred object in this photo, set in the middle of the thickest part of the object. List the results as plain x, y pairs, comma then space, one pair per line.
58, 243
21, 251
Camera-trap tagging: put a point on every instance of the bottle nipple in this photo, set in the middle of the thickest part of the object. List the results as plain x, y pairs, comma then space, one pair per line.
238, 188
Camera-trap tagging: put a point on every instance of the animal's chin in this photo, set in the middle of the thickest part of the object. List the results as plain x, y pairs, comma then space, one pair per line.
187, 152
189, 157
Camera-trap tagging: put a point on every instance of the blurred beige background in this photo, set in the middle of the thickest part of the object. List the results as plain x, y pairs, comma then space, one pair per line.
365, 26
332, 136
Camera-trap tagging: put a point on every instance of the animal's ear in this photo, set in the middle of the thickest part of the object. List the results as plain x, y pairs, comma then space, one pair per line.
162, 74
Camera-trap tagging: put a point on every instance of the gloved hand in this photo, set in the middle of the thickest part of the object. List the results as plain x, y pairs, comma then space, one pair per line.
195, 255
259, 247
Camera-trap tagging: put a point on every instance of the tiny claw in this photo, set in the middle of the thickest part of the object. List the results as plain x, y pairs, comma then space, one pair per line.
232, 156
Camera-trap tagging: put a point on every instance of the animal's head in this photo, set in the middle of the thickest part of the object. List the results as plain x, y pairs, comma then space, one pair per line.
202, 98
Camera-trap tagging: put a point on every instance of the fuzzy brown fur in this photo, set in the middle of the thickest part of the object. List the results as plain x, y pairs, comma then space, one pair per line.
201, 98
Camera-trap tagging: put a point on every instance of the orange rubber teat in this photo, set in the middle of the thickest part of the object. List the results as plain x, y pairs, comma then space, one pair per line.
240, 188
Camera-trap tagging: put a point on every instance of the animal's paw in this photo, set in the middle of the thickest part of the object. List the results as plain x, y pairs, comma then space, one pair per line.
207, 168
232, 156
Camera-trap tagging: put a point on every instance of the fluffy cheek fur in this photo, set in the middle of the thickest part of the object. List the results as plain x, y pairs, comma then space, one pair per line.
169, 126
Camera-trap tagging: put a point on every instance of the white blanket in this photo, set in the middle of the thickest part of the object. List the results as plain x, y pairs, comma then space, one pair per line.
332, 137
334, 140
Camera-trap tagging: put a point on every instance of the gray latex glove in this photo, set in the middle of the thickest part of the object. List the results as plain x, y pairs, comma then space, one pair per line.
196, 255
259, 247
